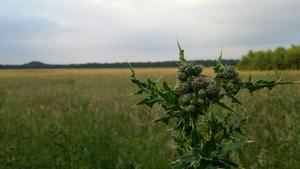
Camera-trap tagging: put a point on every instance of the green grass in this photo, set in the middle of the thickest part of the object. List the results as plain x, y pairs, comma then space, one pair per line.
78, 120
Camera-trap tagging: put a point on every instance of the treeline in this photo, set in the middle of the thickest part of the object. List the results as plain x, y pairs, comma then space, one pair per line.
40, 65
280, 58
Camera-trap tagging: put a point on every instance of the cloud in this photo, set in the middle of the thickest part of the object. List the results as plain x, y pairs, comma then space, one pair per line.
23, 27
24, 37
71, 31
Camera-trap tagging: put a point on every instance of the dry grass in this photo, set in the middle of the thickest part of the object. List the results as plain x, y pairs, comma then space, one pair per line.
83, 118
76, 72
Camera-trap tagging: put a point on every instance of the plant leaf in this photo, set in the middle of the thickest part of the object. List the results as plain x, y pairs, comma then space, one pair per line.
165, 118
181, 52
232, 146
224, 106
219, 66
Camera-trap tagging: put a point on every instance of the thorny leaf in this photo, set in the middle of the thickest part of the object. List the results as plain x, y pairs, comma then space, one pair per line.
219, 66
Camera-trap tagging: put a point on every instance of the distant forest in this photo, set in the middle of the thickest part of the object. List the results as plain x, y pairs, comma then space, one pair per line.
40, 65
280, 58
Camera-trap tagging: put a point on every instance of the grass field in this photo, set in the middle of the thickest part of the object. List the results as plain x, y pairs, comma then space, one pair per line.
84, 119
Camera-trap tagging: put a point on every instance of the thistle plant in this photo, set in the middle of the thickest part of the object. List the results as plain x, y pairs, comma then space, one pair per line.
204, 139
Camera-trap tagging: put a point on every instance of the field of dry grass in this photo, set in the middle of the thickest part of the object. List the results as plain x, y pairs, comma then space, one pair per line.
84, 118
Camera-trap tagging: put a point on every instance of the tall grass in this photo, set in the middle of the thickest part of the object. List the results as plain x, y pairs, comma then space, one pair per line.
86, 120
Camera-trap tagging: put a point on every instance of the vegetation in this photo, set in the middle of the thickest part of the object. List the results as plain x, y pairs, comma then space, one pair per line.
280, 58
40, 65
204, 139
84, 119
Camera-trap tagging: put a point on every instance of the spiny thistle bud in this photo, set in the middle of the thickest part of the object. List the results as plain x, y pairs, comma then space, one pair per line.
197, 69
187, 68
190, 108
184, 87
235, 81
199, 83
181, 68
189, 80
185, 99
232, 88
202, 93
182, 76
212, 90
177, 89
229, 73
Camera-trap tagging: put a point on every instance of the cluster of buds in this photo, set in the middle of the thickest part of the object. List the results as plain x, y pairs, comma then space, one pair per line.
230, 79
194, 90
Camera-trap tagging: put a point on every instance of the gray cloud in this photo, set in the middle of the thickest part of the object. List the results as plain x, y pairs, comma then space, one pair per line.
74, 31
22, 27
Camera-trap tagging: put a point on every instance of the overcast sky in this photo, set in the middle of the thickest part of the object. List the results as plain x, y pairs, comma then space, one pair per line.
81, 31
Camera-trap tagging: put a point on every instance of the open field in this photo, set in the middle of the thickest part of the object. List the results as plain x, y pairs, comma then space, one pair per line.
84, 119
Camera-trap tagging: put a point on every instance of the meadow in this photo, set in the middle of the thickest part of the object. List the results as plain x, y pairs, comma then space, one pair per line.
85, 119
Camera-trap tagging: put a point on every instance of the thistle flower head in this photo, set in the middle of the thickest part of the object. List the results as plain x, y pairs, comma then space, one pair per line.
212, 90
184, 87
190, 109
232, 87
229, 73
197, 69
182, 76
202, 93
185, 99
199, 83
189, 68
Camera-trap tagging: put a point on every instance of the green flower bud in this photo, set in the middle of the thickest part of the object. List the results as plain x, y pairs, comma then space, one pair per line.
189, 80
184, 87
212, 90
232, 88
229, 73
197, 69
185, 99
202, 93
177, 89
190, 108
181, 68
199, 83
187, 68
182, 76
236, 81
